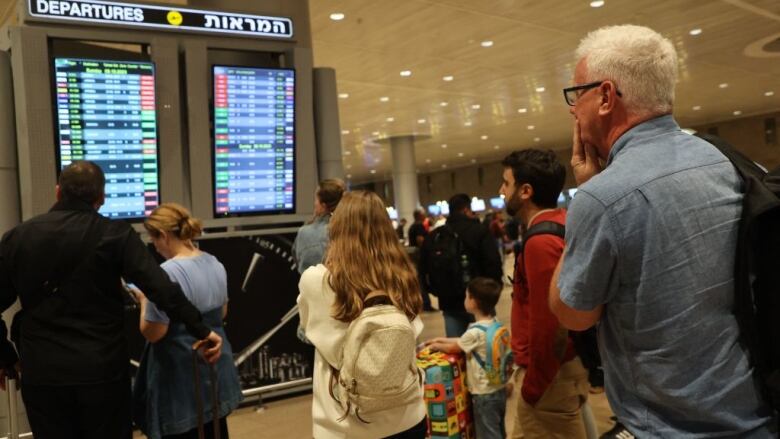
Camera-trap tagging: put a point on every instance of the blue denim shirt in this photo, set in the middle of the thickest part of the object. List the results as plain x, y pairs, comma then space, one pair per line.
653, 238
311, 243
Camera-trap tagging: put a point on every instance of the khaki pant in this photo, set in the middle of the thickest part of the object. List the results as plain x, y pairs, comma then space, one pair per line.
558, 414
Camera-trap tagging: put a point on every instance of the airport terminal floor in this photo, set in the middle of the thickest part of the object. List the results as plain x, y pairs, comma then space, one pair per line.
290, 418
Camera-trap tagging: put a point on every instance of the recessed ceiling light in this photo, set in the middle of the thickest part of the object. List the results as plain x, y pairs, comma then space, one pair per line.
377, 160
486, 43
349, 166
444, 145
343, 95
427, 160
375, 133
530, 127
443, 104
737, 113
723, 85
473, 160
522, 110
444, 166
476, 107
406, 73
448, 78
537, 139
337, 16
484, 137
496, 146
420, 120
597, 3
390, 119
460, 154
384, 99
769, 93
373, 171
347, 152
695, 32
345, 132
539, 89
349, 175
696, 107
467, 124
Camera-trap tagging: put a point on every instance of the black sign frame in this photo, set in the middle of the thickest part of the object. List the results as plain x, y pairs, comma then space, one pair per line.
167, 18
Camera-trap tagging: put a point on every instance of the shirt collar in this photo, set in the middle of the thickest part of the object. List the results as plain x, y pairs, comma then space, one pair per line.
649, 128
68, 204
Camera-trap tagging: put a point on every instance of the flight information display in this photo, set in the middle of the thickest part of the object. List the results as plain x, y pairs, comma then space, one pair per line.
254, 141
106, 114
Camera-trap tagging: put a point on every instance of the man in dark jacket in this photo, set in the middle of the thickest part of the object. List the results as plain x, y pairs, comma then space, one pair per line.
482, 255
66, 266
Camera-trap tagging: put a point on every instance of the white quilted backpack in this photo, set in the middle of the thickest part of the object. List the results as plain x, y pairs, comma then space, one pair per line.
378, 367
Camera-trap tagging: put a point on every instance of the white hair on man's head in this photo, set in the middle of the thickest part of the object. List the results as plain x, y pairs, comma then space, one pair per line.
640, 61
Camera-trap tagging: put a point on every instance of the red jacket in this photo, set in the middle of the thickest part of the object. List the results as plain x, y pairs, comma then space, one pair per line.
533, 324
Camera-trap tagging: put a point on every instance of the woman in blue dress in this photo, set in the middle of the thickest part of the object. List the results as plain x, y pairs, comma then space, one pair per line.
164, 394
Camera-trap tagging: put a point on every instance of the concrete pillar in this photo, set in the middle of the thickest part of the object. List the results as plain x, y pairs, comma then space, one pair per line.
10, 209
405, 190
327, 129
9, 170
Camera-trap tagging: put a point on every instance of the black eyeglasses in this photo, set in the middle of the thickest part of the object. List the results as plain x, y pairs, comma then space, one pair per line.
571, 94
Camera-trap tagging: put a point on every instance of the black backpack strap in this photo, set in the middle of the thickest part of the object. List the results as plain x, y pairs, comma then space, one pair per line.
544, 228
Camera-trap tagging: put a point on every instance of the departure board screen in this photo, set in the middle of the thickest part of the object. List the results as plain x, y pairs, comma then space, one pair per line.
106, 114
254, 141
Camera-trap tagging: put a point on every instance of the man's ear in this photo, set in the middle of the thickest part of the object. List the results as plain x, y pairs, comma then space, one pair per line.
526, 191
609, 97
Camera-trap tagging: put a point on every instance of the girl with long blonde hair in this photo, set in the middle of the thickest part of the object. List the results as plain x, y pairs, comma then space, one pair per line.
364, 256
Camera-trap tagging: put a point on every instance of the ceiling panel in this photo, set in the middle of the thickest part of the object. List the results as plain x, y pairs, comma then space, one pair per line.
533, 46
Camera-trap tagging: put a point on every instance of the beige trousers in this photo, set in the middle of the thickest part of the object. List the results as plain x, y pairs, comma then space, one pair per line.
558, 413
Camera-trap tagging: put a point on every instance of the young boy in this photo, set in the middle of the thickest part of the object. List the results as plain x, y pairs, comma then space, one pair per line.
489, 399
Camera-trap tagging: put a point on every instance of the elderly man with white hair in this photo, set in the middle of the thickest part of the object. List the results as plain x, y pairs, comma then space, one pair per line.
650, 244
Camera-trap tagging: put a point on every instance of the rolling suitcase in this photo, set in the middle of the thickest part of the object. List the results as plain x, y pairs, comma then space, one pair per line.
196, 359
446, 395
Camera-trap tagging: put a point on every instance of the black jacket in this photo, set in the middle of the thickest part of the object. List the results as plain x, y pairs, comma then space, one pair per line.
482, 252
76, 335
480, 246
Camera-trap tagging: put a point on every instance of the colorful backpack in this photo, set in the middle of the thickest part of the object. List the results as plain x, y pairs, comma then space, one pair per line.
499, 358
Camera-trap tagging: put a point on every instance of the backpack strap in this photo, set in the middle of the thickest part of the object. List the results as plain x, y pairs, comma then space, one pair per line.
489, 330
377, 293
544, 228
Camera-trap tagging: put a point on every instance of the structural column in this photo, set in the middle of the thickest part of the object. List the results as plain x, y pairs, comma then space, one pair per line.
327, 128
407, 195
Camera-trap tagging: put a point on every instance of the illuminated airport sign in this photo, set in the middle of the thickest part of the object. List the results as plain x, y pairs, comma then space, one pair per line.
160, 17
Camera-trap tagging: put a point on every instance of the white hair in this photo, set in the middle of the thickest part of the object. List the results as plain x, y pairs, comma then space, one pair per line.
641, 62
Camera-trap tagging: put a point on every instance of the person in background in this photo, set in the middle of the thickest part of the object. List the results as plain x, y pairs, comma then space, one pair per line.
312, 241
480, 252
165, 400
489, 399
650, 248
364, 257
417, 234
66, 266
400, 229
552, 380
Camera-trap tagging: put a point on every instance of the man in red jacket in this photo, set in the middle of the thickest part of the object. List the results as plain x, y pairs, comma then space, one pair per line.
554, 384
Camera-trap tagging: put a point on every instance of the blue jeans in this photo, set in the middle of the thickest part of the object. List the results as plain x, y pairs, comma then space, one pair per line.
489, 411
456, 322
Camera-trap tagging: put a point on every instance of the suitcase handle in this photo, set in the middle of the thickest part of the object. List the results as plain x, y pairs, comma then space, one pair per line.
13, 409
196, 358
